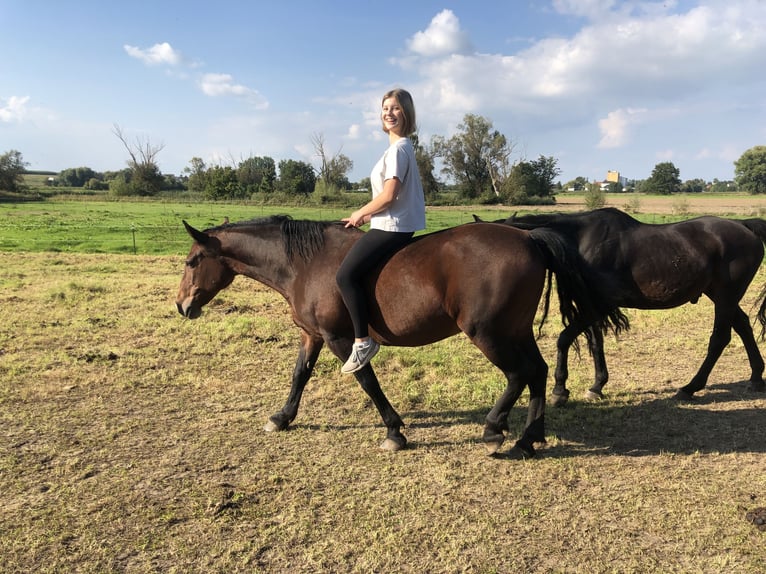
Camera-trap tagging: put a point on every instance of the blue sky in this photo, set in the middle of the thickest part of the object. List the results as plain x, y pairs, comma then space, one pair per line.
598, 84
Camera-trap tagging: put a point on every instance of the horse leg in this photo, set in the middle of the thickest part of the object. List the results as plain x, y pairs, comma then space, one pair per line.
307, 357
395, 440
367, 379
524, 366
742, 327
719, 338
596, 346
560, 393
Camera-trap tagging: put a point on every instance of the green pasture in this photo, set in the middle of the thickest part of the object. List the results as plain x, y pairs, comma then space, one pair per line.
154, 227
151, 227
132, 437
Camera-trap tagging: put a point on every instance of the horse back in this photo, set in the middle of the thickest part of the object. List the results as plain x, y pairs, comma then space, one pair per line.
472, 277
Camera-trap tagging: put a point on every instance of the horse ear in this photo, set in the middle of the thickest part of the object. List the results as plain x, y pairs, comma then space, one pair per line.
197, 235
476, 218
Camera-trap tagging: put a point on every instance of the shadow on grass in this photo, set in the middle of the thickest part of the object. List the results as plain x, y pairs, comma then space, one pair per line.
724, 418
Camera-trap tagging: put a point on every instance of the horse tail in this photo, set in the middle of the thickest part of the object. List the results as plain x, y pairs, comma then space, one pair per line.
580, 298
756, 225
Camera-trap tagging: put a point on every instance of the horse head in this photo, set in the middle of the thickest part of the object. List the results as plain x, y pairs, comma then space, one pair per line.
205, 274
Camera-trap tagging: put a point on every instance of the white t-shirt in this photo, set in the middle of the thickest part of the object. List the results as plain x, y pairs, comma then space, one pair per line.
408, 211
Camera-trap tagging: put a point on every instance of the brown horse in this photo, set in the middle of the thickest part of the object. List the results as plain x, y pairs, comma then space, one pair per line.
485, 280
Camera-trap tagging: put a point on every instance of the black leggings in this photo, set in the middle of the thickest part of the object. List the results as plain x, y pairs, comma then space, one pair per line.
372, 248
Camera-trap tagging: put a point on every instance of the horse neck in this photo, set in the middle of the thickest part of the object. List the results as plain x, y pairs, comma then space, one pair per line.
260, 257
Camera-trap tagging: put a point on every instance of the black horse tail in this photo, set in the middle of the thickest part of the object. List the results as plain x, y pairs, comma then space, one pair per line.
581, 300
758, 227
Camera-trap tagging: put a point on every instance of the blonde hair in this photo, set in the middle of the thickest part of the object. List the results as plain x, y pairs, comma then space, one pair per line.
404, 99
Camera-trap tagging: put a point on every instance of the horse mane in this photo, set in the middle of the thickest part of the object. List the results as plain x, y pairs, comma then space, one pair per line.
304, 238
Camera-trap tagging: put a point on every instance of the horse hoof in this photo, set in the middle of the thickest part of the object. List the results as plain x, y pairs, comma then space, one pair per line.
683, 396
391, 445
757, 386
559, 400
519, 452
594, 396
271, 426
493, 447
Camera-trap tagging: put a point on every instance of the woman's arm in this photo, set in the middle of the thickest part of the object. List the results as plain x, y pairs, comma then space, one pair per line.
379, 203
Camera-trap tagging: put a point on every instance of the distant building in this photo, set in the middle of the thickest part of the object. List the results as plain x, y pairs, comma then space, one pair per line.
615, 177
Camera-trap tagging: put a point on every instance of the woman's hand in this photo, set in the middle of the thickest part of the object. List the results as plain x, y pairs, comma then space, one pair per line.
357, 219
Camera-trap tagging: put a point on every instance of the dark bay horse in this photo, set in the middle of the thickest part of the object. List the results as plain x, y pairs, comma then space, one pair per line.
485, 280
660, 266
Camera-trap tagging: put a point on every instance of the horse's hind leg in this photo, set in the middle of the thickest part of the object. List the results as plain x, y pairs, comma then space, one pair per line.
560, 393
304, 366
742, 327
596, 346
523, 366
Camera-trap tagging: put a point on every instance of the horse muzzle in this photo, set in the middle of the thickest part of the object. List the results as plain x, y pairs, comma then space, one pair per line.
189, 309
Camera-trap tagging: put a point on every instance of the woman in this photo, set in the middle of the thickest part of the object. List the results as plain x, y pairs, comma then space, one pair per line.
397, 210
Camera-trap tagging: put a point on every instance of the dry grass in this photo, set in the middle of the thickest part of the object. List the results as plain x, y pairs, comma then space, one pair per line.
132, 442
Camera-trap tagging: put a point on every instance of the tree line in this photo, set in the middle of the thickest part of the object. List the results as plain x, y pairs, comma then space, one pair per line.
477, 160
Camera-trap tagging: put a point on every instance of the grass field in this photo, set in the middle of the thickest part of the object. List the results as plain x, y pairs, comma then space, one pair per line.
132, 441
154, 227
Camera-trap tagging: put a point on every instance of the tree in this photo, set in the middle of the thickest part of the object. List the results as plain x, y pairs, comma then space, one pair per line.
595, 198
750, 170
719, 186
145, 177
197, 172
664, 179
221, 183
424, 157
696, 185
474, 156
296, 177
579, 183
12, 166
257, 174
333, 170
531, 181
76, 176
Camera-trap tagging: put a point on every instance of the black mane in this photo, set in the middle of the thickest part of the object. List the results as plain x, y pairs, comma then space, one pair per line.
301, 237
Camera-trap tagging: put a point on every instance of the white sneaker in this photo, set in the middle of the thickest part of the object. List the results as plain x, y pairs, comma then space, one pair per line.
361, 353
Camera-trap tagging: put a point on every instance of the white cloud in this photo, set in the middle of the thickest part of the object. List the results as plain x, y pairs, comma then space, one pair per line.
354, 132
645, 56
217, 85
14, 110
442, 37
615, 127
156, 55
586, 8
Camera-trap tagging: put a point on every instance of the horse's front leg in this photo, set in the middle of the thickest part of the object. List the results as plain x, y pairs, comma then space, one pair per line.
304, 366
395, 440
719, 338
366, 378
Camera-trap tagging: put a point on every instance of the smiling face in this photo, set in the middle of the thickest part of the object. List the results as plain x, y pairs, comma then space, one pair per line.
393, 118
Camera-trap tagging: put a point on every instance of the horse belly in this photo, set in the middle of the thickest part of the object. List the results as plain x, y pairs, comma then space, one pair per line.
410, 317
670, 286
